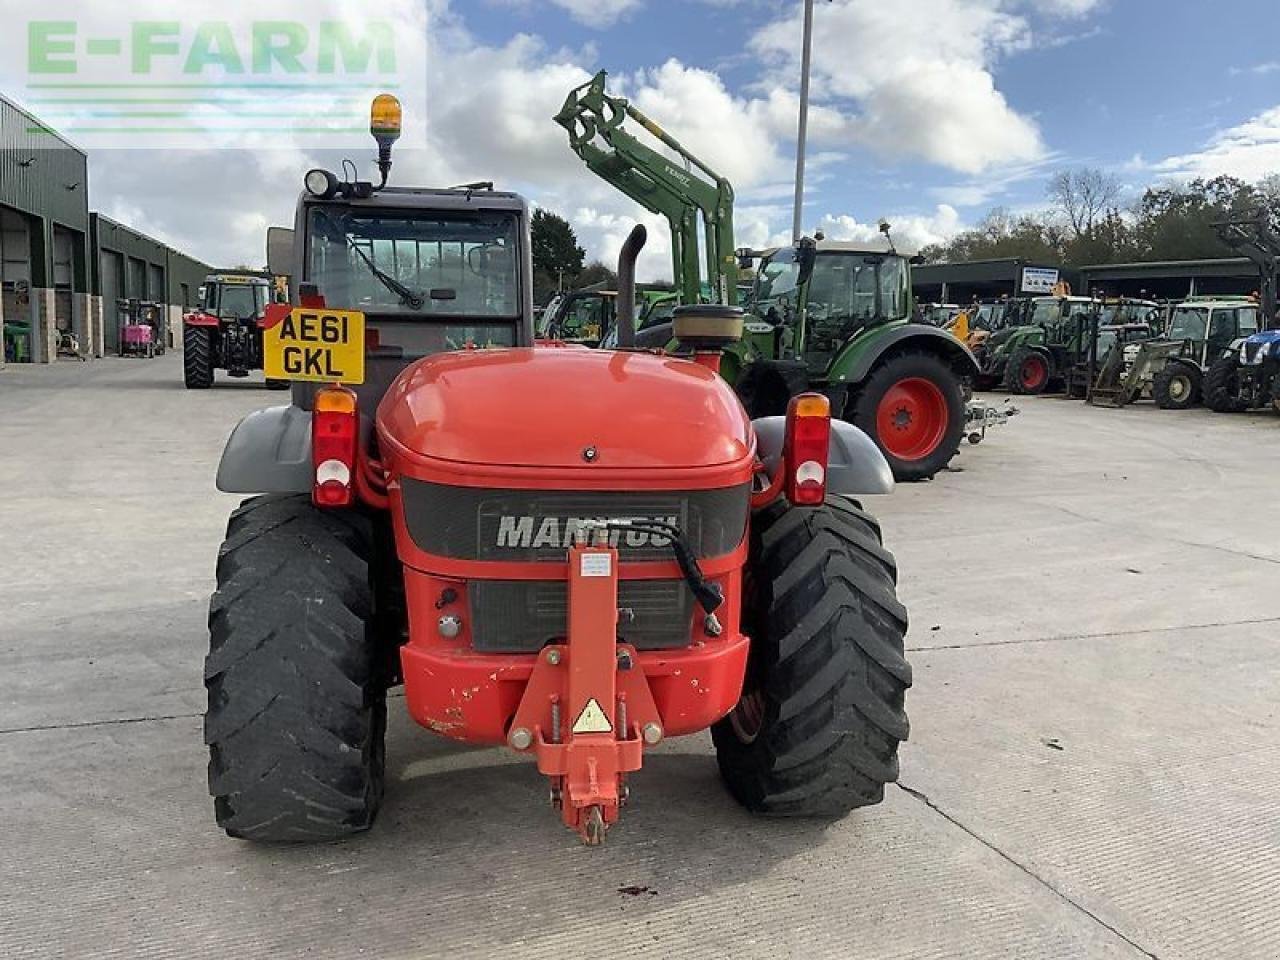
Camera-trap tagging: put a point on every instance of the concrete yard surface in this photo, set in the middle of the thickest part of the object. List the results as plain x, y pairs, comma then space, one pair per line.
1093, 769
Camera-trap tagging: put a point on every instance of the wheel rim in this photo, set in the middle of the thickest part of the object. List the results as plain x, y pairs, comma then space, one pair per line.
912, 418
1179, 387
747, 717
1034, 372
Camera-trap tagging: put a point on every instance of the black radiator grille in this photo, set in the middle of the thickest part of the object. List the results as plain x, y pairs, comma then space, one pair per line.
514, 616
522, 526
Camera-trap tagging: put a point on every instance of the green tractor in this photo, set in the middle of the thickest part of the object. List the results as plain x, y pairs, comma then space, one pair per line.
1030, 353
821, 315
589, 316
837, 317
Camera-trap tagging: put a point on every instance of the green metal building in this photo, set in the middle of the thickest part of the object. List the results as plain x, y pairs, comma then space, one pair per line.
128, 265
63, 269
44, 232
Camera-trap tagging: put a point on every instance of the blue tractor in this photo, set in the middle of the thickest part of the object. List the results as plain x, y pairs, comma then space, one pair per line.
1245, 376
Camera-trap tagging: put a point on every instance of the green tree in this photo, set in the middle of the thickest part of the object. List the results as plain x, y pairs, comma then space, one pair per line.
596, 272
1168, 222
1176, 222
1084, 197
557, 257
999, 236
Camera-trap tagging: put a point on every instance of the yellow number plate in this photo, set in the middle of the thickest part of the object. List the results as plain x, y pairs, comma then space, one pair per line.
326, 346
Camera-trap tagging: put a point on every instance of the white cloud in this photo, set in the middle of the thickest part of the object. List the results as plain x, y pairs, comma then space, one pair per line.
736, 137
1249, 151
602, 232
910, 233
919, 85
983, 190
1257, 70
598, 13
1066, 8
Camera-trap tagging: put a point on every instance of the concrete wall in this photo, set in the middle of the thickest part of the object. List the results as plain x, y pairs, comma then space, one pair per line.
97, 328
44, 341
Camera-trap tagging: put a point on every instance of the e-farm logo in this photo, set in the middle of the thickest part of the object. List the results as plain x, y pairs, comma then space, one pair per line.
211, 81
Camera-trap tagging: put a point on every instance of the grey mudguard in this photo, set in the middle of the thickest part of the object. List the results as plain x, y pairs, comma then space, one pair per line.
855, 464
269, 452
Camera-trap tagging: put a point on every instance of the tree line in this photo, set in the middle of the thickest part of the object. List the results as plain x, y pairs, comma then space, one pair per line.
1088, 221
559, 263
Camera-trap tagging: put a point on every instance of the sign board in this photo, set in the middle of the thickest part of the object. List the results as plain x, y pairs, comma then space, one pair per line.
1039, 280
321, 345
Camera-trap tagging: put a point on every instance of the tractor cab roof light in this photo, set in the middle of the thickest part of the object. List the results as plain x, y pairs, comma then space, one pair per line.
806, 449
385, 119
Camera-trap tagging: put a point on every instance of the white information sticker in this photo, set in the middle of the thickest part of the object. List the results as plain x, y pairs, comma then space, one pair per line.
597, 565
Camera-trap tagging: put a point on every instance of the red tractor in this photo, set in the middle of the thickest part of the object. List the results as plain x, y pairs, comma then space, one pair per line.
224, 332
577, 587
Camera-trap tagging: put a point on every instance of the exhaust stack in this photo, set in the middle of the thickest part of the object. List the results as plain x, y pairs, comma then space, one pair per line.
627, 285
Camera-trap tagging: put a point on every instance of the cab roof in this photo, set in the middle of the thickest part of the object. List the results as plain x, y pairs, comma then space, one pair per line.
428, 198
1219, 302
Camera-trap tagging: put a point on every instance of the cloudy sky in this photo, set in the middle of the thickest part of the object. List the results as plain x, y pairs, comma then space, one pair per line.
927, 112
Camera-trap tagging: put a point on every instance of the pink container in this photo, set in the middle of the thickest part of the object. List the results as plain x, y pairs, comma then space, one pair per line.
137, 334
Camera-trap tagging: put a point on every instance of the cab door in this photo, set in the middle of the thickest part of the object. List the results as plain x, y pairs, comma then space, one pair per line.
1223, 324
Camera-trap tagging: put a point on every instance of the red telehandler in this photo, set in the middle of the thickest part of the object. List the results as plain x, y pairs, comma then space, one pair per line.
576, 586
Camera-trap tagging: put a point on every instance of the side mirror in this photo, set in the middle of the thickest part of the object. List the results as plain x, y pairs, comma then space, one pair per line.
280, 251
917, 260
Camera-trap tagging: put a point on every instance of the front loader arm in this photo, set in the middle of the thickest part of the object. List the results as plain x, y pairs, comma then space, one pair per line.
656, 198
657, 183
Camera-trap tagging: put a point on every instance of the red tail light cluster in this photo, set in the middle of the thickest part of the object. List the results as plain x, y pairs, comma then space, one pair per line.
335, 433
806, 448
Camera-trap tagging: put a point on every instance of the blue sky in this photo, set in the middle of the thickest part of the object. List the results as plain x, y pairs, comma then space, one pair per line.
928, 112
1126, 79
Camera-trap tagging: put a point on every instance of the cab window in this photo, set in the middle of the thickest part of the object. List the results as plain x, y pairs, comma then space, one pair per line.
1222, 327
1248, 321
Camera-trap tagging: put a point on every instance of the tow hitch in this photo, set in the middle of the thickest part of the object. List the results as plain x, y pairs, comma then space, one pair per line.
588, 713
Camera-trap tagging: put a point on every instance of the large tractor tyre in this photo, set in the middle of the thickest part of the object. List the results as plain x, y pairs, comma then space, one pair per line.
197, 357
1176, 387
1028, 372
816, 732
297, 692
1222, 386
913, 407
274, 384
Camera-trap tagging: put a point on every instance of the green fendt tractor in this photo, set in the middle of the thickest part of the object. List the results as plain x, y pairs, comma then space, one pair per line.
1037, 348
589, 315
826, 316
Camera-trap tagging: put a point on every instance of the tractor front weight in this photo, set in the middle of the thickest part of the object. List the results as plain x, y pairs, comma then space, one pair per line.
588, 713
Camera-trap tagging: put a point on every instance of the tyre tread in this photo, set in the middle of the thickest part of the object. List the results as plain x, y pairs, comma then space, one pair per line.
830, 632
296, 709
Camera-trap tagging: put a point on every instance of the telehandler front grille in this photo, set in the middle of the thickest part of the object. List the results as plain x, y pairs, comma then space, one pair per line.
535, 526
521, 616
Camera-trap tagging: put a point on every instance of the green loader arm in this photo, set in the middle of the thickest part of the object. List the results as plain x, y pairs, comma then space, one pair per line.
648, 177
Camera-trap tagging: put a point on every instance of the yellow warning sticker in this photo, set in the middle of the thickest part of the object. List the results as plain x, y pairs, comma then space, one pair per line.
592, 719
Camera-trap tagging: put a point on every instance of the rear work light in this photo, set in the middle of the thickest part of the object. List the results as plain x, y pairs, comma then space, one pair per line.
335, 433
805, 449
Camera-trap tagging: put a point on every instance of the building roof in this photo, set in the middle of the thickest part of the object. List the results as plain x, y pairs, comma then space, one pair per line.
37, 122
1219, 267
